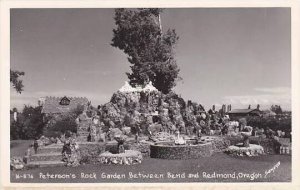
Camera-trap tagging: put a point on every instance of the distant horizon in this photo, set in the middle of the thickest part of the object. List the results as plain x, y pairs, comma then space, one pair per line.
236, 56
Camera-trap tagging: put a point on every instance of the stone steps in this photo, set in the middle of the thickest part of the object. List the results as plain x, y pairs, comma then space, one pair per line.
82, 135
37, 164
82, 132
83, 125
83, 139
54, 145
50, 149
46, 157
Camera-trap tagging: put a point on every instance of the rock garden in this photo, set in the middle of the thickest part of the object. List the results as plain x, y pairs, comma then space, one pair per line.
142, 122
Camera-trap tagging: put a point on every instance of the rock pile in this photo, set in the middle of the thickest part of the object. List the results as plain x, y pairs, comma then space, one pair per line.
162, 137
240, 150
88, 126
43, 141
16, 163
148, 111
129, 157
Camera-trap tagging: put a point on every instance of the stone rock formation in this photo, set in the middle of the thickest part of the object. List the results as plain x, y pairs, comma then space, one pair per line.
146, 110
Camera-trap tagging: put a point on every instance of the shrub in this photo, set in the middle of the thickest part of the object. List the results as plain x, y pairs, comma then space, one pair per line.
272, 123
62, 124
16, 130
89, 152
29, 124
78, 110
51, 133
243, 121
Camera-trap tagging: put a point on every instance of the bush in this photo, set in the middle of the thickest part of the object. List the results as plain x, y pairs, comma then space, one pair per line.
16, 130
78, 110
51, 133
29, 124
243, 121
89, 152
62, 124
283, 124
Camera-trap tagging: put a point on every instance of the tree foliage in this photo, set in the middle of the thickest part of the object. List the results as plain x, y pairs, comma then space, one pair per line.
276, 109
283, 124
29, 124
15, 80
62, 125
149, 50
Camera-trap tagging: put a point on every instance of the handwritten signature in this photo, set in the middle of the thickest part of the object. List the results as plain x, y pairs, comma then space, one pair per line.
272, 169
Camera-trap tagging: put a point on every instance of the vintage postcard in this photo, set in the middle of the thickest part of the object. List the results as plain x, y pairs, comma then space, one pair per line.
111, 94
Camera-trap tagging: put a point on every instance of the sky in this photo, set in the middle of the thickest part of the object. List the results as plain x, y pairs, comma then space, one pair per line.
236, 56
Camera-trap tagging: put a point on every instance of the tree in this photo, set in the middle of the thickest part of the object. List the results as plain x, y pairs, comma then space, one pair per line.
78, 110
64, 124
276, 108
29, 124
15, 126
33, 121
15, 81
213, 107
258, 106
150, 51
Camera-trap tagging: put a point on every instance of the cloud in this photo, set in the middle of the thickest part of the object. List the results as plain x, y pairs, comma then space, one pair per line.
277, 90
279, 95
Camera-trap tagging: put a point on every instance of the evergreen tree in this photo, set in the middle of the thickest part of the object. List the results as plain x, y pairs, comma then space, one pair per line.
15, 80
258, 106
150, 51
276, 108
29, 125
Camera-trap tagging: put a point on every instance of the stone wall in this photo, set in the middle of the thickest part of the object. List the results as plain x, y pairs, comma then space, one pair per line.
181, 151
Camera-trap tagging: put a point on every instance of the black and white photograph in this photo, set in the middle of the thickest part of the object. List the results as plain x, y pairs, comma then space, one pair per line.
150, 95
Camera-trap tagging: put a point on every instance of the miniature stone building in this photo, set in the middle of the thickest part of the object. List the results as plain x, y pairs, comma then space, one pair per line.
53, 107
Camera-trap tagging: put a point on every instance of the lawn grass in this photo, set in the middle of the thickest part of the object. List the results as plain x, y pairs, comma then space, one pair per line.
19, 147
219, 162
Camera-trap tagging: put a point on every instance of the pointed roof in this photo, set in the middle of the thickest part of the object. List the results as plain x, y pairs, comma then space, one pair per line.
149, 87
53, 104
127, 88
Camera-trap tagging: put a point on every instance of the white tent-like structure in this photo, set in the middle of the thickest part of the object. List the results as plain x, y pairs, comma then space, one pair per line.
149, 87
126, 88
